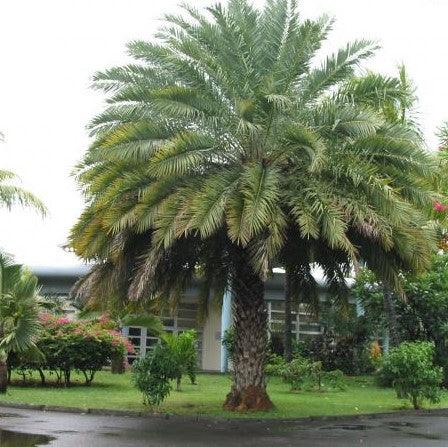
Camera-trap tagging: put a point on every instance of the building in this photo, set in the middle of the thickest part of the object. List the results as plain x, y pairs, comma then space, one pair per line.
57, 281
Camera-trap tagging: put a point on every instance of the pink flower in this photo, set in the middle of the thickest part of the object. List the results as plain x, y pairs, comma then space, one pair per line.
439, 207
129, 346
62, 320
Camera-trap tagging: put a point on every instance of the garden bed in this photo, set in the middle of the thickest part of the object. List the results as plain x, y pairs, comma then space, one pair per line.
116, 392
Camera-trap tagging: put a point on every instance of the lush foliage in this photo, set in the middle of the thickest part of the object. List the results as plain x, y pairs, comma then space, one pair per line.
19, 307
346, 353
85, 346
174, 356
152, 374
411, 371
184, 350
302, 373
345, 341
423, 315
200, 132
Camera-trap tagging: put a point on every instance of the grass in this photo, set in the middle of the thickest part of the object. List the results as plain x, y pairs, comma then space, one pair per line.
116, 392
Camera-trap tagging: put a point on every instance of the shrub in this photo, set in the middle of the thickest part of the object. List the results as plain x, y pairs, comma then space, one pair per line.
333, 380
84, 346
299, 373
184, 350
344, 353
411, 371
302, 373
174, 356
276, 365
152, 374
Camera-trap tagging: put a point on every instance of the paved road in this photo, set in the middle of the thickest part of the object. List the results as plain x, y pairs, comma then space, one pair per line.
74, 430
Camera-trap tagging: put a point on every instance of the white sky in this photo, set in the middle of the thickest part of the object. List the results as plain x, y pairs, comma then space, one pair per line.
50, 48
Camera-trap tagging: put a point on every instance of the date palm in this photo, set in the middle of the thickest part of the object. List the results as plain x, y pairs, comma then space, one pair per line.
221, 140
19, 309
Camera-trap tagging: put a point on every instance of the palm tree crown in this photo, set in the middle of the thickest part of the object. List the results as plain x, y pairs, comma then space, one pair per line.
199, 136
19, 306
11, 194
19, 313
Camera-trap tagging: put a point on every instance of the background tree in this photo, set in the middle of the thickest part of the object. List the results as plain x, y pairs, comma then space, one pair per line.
424, 315
19, 313
222, 137
11, 194
395, 99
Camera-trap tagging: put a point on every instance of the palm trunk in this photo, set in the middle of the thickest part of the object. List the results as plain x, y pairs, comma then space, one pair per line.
248, 391
3, 376
391, 315
287, 353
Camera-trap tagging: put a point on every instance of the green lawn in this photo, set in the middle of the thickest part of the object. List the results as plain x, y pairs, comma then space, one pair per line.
116, 392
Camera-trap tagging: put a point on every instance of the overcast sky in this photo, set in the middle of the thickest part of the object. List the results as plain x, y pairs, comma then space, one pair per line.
50, 48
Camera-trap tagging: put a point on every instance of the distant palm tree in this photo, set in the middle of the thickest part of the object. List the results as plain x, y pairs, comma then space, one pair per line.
221, 140
11, 194
19, 313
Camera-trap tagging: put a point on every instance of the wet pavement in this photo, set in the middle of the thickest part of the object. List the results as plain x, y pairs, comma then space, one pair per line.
77, 430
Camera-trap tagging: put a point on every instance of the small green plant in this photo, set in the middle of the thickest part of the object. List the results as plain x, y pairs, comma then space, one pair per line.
410, 369
228, 341
333, 380
174, 356
183, 349
298, 373
152, 374
302, 373
275, 366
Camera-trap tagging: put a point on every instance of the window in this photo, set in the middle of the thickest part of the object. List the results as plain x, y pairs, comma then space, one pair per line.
135, 331
306, 323
184, 318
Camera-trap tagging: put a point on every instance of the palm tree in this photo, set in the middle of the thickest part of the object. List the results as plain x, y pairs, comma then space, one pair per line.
19, 313
11, 195
221, 139
396, 101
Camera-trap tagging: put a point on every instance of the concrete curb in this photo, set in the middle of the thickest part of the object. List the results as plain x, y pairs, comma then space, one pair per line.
216, 420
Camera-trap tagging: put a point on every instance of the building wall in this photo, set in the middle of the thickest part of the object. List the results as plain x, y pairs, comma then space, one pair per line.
211, 340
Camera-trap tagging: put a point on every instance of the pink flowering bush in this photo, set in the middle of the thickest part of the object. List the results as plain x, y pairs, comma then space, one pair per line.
439, 207
84, 346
